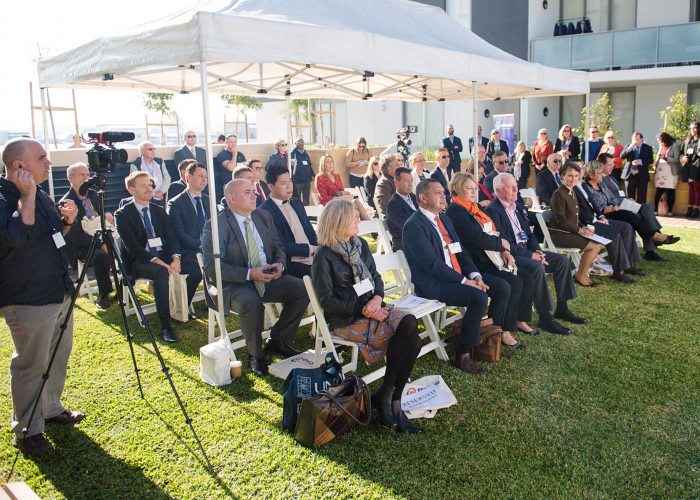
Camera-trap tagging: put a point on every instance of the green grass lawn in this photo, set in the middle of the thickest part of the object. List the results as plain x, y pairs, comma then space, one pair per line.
611, 411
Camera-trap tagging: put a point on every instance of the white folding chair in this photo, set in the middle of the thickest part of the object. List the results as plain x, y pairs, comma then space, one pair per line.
89, 286
129, 306
532, 194
376, 226
573, 253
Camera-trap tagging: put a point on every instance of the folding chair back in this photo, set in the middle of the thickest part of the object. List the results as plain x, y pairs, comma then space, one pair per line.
573, 253
376, 226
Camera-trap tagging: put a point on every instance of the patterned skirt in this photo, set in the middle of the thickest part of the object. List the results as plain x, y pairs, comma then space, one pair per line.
370, 335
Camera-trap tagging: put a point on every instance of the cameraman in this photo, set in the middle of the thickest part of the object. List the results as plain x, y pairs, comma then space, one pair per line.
78, 240
35, 292
402, 145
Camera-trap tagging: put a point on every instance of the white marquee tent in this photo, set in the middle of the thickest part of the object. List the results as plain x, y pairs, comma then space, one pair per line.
359, 49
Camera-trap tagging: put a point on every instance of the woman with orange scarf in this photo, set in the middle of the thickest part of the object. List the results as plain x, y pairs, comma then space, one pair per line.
478, 235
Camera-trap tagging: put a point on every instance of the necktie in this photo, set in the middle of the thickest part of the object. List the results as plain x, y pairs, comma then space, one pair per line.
253, 253
448, 242
261, 193
150, 233
557, 178
201, 218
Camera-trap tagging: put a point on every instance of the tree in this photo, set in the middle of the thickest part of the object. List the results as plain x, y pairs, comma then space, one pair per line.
678, 115
302, 112
158, 102
244, 102
601, 115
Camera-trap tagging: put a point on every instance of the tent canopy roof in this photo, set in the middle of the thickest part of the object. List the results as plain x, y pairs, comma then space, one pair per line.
364, 49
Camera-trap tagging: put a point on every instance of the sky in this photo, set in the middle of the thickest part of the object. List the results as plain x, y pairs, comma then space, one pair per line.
53, 27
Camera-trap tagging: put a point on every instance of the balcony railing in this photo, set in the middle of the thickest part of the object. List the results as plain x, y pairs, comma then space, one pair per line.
623, 49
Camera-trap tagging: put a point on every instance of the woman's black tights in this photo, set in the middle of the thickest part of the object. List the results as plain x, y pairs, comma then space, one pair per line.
401, 354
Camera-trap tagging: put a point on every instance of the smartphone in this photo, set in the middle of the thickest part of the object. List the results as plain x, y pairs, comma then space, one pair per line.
269, 270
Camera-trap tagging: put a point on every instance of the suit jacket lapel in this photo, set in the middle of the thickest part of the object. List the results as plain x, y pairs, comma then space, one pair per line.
264, 235
240, 237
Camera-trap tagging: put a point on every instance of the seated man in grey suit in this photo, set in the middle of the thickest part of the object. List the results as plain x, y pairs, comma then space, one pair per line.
252, 272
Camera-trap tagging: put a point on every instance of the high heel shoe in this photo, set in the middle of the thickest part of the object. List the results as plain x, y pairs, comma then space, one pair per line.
516, 345
404, 424
381, 400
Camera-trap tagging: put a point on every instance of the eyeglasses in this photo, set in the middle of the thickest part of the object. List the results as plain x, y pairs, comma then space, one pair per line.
610, 137
443, 157
556, 161
375, 164
502, 162
283, 145
594, 131
191, 136
150, 149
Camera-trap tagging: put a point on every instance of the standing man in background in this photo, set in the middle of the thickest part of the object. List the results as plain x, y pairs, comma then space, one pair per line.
454, 146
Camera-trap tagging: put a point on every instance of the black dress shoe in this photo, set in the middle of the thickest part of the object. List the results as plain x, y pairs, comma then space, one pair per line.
404, 424
635, 271
191, 316
280, 348
554, 327
567, 315
622, 277
258, 366
168, 335
103, 301
381, 401
67, 417
654, 257
34, 446
670, 240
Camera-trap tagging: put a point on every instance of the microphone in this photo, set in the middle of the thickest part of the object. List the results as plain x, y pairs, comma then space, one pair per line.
103, 137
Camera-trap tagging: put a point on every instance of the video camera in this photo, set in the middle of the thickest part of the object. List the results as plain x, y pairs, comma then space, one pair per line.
103, 157
404, 142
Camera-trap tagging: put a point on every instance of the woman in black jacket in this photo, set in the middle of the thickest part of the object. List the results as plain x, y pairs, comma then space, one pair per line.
567, 145
351, 293
370, 179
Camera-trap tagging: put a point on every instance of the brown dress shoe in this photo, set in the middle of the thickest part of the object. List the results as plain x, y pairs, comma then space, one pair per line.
465, 363
33, 446
67, 417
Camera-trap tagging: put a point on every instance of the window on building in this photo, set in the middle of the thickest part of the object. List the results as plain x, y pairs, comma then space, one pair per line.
622, 101
604, 15
694, 94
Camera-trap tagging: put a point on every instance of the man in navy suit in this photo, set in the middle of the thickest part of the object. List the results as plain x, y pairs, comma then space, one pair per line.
189, 151
149, 247
549, 179
442, 158
188, 213
454, 146
292, 223
441, 270
179, 185
480, 140
511, 220
500, 165
401, 206
639, 157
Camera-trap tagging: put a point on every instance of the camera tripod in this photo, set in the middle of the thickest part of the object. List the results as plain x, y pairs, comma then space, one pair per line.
104, 235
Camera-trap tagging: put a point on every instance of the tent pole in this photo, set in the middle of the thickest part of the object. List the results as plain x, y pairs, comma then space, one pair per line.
423, 125
46, 140
475, 147
588, 124
289, 127
212, 200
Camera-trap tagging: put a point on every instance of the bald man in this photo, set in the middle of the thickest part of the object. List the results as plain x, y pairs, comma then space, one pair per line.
253, 272
35, 292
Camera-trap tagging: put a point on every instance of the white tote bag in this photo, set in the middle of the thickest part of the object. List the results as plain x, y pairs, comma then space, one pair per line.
179, 309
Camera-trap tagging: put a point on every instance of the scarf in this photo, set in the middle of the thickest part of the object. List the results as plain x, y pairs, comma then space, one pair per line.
350, 252
472, 208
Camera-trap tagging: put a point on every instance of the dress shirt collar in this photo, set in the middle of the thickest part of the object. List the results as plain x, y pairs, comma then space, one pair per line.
407, 199
430, 215
279, 203
140, 207
508, 206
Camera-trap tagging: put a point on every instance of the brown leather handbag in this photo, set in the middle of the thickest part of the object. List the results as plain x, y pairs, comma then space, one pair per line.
333, 412
489, 349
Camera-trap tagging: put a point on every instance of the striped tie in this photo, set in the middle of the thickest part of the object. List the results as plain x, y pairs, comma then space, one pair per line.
253, 253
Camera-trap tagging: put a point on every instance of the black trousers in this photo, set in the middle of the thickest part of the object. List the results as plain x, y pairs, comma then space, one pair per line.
298, 270
533, 272
453, 168
456, 294
644, 222
100, 263
159, 276
505, 291
637, 189
302, 190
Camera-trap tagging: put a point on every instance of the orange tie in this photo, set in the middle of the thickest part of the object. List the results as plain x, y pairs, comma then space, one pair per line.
448, 241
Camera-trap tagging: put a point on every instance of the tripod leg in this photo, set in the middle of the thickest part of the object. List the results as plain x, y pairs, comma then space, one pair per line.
139, 312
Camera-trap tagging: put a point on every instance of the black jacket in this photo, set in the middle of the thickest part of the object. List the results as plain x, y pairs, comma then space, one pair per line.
397, 212
183, 220
333, 282
545, 185
574, 147
474, 239
77, 239
291, 247
370, 185
490, 148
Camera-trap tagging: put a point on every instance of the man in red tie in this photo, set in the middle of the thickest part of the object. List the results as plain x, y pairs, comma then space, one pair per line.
261, 188
441, 270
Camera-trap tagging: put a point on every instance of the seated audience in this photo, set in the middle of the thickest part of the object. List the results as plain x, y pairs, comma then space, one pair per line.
149, 247
155, 167
351, 292
253, 272
541, 150
302, 172
441, 270
385, 188
78, 241
292, 223
549, 179
188, 212
567, 144
606, 196
565, 228
622, 250
512, 305
500, 165
179, 185
401, 206
190, 151
370, 179
356, 161
442, 160
279, 157
484, 196
225, 162
247, 173
511, 219
328, 182
416, 163
496, 144
482, 160
221, 139
521, 161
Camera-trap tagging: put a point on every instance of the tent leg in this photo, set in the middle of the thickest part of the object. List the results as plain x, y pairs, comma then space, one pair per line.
475, 148
212, 199
423, 125
289, 128
588, 125
46, 140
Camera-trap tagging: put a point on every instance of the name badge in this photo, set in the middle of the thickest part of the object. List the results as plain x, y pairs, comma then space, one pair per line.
305, 162
488, 227
522, 236
621, 193
456, 147
689, 151
58, 240
363, 287
155, 242
455, 247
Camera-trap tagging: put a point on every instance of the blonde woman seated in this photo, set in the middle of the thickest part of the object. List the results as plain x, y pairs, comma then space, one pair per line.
566, 229
327, 181
351, 293
416, 163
